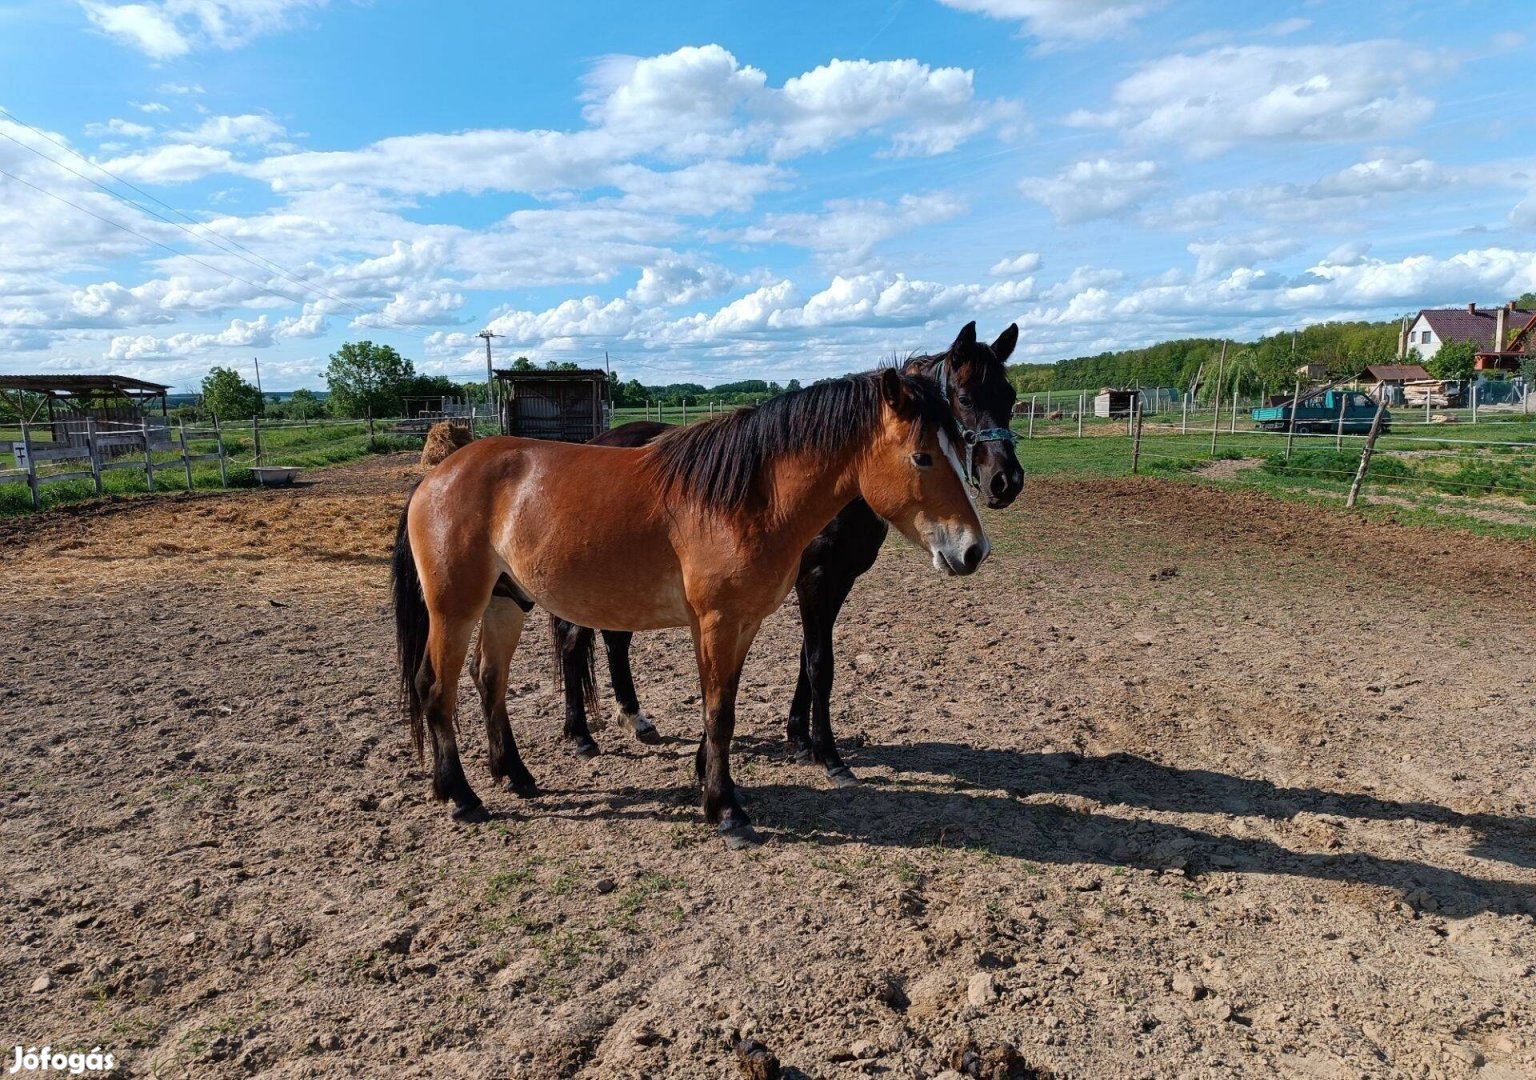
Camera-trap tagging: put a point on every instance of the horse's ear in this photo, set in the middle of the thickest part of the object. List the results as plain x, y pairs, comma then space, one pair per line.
894, 391
1003, 346
966, 339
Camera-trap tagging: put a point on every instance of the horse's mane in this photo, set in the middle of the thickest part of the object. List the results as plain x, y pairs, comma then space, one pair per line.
720, 463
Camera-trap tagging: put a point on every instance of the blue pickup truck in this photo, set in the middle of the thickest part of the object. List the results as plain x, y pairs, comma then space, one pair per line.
1320, 413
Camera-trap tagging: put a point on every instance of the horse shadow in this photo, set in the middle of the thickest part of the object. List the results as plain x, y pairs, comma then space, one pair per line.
1126, 779
983, 806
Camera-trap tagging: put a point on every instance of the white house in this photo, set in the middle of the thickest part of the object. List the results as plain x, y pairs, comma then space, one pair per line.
1487, 328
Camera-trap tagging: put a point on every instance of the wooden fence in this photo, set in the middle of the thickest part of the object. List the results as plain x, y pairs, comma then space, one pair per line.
94, 447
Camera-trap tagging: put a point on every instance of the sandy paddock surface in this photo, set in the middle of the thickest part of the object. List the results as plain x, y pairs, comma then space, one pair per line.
1186, 782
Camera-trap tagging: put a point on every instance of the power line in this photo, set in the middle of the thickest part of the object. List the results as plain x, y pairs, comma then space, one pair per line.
148, 239
266, 265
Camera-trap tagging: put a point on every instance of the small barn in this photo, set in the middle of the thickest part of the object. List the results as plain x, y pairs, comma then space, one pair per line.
1385, 382
64, 403
566, 405
1113, 402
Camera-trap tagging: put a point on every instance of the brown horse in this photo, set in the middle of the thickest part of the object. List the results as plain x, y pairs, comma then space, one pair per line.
702, 528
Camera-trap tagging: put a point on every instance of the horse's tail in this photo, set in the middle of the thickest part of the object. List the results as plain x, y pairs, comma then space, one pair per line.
570, 643
412, 621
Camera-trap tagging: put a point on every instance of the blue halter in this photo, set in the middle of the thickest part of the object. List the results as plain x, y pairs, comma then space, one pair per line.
971, 437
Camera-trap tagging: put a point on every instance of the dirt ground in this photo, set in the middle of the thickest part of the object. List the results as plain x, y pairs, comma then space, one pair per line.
1185, 783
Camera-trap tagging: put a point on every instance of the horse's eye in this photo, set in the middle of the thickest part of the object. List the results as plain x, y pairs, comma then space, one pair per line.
965, 400
922, 461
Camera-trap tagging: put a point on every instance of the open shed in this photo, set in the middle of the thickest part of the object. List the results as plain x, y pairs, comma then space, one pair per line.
564, 405
1385, 382
65, 402
1113, 402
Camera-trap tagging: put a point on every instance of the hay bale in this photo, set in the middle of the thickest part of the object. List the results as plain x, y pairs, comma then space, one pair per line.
443, 439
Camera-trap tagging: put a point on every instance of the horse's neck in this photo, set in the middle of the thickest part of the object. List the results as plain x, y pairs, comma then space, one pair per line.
808, 492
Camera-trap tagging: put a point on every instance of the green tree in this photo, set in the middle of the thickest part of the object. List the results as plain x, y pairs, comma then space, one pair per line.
522, 363
367, 379
228, 396
304, 404
1453, 360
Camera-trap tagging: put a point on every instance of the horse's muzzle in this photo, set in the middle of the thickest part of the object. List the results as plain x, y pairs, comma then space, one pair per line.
960, 559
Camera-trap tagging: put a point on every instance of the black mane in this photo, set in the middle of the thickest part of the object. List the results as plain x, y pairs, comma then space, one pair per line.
720, 463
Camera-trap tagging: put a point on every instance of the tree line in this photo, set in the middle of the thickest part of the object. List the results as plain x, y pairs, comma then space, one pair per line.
364, 378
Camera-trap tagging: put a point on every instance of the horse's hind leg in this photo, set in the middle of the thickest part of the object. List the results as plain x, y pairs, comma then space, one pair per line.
616, 644
437, 683
500, 629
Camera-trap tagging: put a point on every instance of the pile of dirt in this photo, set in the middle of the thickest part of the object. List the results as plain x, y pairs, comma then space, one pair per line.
442, 440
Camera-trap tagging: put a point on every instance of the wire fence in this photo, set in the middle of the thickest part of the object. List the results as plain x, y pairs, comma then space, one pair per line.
1489, 466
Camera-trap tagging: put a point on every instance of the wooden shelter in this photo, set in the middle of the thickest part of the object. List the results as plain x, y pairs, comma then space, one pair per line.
1112, 401
1385, 382
65, 402
565, 405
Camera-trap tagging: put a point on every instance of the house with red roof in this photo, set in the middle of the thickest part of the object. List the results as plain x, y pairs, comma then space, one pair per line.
1491, 330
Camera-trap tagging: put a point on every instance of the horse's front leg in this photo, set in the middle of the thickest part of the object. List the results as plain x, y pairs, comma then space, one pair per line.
630, 715
721, 643
574, 647
821, 594
819, 608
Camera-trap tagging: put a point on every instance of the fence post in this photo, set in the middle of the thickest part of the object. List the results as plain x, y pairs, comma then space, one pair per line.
685, 410
1290, 427
1081, 406
149, 462
1184, 422
218, 434
90, 444
1032, 399
1474, 402
186, 457
1234, 411
1137, 411
256, 441
370, 425
1221, 367
1365, 454
26, 443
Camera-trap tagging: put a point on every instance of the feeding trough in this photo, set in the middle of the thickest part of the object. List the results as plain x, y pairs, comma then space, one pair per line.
274, 475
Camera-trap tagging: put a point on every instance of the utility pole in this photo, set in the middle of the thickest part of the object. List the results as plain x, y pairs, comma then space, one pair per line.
490, 376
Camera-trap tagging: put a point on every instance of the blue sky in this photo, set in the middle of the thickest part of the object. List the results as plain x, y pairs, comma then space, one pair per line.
774, 191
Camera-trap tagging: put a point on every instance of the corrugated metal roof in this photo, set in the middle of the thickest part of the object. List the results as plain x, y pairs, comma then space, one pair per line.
1395, 372
80, 384
552, 376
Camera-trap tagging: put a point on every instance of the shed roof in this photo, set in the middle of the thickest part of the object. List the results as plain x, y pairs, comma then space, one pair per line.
82, 385
1394, 372
1474, 324
583, 375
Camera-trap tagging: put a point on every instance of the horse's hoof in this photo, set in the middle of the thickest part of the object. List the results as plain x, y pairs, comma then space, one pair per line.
527, 787
648, 735
842, 777
801, 755
739, 836
581, 748
471, 814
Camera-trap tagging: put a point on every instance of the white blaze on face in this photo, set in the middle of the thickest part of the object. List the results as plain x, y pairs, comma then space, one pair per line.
948, 544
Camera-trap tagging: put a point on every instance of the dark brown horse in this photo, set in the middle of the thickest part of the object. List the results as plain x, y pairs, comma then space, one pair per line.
974, 378
702, 528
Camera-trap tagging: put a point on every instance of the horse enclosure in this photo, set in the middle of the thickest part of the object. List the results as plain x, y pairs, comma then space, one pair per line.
1138, 800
